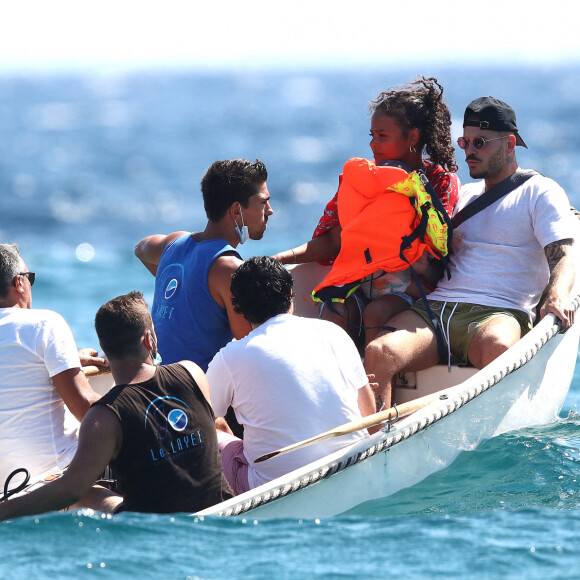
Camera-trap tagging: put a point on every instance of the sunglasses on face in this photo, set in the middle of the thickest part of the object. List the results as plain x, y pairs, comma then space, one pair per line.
478, 142
30, 275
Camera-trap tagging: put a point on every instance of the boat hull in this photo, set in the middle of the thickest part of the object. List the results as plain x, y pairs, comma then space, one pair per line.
526, 386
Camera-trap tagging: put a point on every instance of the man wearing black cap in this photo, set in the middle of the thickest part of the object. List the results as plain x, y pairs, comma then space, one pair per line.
510, 256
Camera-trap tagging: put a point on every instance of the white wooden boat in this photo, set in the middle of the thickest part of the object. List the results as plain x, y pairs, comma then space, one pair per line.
526, 386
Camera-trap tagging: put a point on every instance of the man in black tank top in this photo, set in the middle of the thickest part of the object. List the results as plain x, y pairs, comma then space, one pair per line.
155, 428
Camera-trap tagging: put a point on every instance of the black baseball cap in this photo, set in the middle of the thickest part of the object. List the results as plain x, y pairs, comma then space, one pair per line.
492, 114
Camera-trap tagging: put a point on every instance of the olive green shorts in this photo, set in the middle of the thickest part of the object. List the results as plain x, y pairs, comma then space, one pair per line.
460, 328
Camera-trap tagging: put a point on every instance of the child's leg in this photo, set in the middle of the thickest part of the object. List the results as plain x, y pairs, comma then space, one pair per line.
347, 315
378, 312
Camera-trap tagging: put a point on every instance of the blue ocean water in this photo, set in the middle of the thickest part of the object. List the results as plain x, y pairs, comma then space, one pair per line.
89, 164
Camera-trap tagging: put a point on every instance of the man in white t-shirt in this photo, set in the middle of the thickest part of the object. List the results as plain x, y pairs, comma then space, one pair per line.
40, 373
512, 257
289, 379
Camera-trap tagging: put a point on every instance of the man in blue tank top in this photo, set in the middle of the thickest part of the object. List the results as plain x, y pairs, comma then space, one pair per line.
192, 309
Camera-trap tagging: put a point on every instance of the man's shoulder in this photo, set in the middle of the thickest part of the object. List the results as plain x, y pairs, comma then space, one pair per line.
468, 192
110, 396
212, 245
227, 257
543, 183
184, 369
53, 319
171, 244
35, 316
224, 265
536, 182
187, 243
217, 252
212, 255
544, 192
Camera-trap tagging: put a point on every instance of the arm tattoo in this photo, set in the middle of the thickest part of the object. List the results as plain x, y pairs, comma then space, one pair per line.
557, 250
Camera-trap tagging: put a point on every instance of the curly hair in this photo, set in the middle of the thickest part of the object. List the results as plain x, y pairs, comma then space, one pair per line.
419, 105
261, 288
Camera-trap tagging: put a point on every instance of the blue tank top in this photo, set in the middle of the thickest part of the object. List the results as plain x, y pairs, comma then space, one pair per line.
189, 324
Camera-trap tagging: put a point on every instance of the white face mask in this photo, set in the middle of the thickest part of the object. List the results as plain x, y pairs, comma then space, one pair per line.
242, 232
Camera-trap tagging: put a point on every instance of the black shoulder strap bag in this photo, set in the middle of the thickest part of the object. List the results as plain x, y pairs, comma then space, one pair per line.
496, 192
490, 196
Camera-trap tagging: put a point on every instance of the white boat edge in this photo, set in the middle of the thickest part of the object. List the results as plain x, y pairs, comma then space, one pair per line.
526, 386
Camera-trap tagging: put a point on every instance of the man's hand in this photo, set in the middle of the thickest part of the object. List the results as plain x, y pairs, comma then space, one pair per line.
89, 357
372, 381
556, 295
563, 311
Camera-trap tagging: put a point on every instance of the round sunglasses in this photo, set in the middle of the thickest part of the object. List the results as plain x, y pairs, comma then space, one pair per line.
478, 142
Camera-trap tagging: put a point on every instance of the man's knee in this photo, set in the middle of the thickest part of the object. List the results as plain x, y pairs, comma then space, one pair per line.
379, 347
493, 339
486, 352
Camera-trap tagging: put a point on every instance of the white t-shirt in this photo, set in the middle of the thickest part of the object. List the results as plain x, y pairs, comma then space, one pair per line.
289, 379
499, 257
36, 429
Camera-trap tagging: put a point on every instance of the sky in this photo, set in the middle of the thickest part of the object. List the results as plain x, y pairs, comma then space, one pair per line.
49, 35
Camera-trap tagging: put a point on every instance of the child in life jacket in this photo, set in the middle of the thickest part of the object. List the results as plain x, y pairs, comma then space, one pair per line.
395, 236
411, 124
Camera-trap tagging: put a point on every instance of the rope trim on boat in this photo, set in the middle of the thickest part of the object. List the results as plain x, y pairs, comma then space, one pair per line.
397, 435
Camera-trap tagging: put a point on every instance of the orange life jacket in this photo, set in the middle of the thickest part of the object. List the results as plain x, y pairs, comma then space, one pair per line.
378, 206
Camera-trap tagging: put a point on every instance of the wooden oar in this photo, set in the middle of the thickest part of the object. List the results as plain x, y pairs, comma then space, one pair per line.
404, 410
93, 371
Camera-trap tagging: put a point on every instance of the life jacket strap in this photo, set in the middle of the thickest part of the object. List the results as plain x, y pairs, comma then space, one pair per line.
441, 348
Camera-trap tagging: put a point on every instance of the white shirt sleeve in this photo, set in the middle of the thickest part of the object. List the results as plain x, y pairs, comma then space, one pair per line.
350, 360
56, 345
552, 218
220, 385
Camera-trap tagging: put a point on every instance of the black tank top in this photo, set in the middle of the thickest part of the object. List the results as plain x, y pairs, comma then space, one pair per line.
169, 460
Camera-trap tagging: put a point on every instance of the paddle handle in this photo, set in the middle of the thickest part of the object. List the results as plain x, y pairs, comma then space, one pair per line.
404, 410
93, 371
